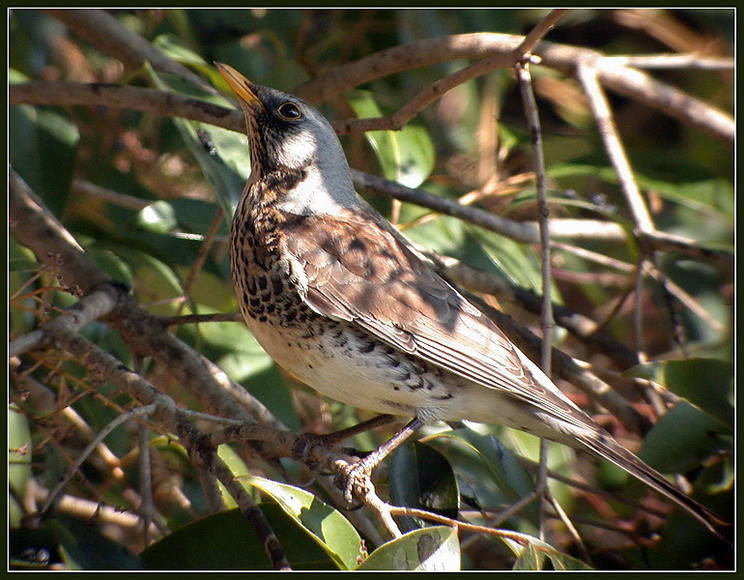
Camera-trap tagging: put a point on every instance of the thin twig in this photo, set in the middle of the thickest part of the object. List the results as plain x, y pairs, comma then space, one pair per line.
86, 188
538, 31
630, 82
85, 453
147, 505
199, 318
563, 517
423, 99
638, 309
546, 310
176, 105
201, 257
665, 61
93, 510
587, 75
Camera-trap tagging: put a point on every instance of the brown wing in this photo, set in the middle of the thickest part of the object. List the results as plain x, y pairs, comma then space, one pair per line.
359, 271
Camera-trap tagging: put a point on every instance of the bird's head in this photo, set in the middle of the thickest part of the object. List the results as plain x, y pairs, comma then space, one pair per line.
289, 136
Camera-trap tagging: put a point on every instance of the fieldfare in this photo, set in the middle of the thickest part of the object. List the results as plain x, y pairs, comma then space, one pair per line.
339, 298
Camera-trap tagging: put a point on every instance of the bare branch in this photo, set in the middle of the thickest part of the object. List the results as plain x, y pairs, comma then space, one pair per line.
630, 82
537, 33
164, 103
602, 114
175, 105
80, 459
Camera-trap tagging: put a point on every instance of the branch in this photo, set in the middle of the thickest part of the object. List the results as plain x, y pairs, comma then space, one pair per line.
35, 227
627, 81
605, 124
163, 409
164, 103
176, 105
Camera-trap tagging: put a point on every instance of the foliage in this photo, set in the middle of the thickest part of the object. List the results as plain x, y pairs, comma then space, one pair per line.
156, 223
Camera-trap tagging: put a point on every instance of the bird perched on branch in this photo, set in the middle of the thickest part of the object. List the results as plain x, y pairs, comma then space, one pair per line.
339, 298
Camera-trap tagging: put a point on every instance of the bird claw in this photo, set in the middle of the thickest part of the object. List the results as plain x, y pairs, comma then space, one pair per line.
355, 481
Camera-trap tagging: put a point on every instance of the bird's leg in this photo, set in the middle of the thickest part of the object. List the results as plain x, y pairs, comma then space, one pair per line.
306, 441
354, 478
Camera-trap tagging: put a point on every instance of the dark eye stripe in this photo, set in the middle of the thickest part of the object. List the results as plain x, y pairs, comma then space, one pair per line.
289, 111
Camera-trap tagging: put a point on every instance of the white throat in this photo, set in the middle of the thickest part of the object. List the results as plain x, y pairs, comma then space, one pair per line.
327, 187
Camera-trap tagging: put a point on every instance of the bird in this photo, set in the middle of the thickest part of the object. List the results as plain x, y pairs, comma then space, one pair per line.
337, 296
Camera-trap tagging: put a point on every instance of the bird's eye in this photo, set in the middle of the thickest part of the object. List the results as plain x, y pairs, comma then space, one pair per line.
289, 112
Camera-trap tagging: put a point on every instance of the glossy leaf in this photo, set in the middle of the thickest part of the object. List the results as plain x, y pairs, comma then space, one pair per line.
427, 550
683, 438
332, 530
486, 469
19, 462
84, 548
421, 477
531, 554
43, 151
707, 383
227, 541
406, 156
158, 217
219, 164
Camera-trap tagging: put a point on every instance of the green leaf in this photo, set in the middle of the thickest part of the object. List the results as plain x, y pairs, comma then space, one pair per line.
429, 549
153, 280
531, 553
406, 156
517, 262
196, 215
710, 196
213, 293
158, 217
333, 531
705, 382
249, 365
19, 461
487, 470
112, 263
42, 147
237, 467
683, 439
175, 48
421, 477
228, 541
222, 155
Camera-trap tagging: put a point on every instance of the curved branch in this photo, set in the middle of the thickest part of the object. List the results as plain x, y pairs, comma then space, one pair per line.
627, 81
176, 105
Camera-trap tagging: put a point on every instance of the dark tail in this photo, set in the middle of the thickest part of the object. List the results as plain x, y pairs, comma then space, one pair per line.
606, 447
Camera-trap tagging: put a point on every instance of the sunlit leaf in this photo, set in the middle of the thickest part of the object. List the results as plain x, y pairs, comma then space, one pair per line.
406, 156
429, 549
531, 554
683, 438
333, 530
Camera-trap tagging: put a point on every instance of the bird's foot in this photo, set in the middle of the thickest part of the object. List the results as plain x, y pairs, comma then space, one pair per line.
355, 481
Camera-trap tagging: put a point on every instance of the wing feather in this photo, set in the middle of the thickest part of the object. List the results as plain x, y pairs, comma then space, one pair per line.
361, 271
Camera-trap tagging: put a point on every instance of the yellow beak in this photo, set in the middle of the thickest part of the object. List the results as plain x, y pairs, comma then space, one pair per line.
241, 86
